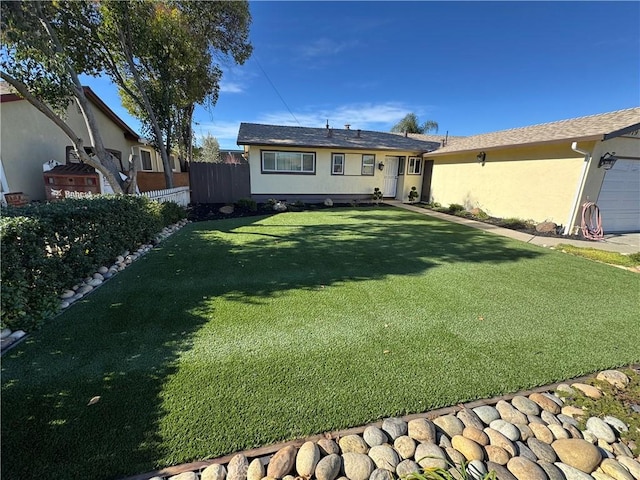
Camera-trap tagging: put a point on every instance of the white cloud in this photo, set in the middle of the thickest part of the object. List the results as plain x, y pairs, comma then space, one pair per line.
366, 116
231, 87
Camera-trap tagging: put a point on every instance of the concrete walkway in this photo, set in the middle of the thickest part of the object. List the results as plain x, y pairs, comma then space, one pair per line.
625, 243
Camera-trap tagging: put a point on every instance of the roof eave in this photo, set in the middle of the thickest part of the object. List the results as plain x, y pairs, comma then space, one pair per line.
588, 138
622, 131
127, 130
346, 147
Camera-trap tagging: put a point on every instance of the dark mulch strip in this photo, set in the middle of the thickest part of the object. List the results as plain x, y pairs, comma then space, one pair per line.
499, 222
211, 211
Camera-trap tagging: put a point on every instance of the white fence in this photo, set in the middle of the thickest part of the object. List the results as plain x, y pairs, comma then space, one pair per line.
179, 195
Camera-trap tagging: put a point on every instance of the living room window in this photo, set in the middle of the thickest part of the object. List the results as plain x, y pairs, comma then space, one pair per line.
288, 162
337, 164
368, 164
415, 166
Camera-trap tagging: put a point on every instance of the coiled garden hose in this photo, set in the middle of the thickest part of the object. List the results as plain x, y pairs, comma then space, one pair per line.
591, 222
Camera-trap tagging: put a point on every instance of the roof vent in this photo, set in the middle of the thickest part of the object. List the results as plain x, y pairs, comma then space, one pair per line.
358, 133
329, 132
406, 134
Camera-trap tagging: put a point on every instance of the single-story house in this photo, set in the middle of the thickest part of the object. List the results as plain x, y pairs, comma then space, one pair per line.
542, 172
29, 140
312, 164
545, 172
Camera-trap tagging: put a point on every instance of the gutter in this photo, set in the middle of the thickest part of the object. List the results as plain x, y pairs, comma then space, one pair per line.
583, 175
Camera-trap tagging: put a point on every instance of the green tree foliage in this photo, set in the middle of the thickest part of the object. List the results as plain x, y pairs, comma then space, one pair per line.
46, 46
176, 53
163, 56
209, 151
411, 124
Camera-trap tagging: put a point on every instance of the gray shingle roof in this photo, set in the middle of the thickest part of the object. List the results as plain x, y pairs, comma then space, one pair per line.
593, 127
283, 136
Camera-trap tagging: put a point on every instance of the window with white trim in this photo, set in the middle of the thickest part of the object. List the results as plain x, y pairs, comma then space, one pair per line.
368, 164
415, 166
145, 160
288, 162
337, 164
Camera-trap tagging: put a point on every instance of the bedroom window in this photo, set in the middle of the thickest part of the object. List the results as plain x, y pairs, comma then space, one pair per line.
415, 166
289, 162
368, 164
337, 164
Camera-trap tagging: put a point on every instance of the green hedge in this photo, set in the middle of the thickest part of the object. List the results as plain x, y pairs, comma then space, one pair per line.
46, 248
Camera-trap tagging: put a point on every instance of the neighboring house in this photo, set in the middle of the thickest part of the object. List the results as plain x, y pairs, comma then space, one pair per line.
29, 140
545, 172
312, 164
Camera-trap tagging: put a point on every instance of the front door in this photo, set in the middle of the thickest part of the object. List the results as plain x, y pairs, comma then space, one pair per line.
390, 176
426, 181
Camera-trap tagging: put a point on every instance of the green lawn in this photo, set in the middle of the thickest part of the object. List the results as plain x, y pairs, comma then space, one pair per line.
239, 333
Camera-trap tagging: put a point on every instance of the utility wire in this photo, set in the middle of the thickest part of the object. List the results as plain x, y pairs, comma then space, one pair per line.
274, 88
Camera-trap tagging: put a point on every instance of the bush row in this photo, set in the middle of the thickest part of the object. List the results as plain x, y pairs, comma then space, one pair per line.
46, 248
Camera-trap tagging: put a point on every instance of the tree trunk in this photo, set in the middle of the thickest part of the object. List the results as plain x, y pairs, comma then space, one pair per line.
78, 143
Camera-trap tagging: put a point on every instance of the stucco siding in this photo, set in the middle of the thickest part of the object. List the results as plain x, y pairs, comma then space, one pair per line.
537, 183
30, 139
322, 182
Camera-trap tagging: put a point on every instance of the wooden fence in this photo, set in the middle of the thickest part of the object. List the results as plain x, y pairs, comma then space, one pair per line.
219, 182
179, 195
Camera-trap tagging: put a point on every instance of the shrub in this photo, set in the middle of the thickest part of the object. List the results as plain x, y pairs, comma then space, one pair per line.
172, 213
413, 194
247, 204
377, 195
455, 207
48, 247
517, 223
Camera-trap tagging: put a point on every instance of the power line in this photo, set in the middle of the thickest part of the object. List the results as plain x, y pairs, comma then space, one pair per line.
275, 89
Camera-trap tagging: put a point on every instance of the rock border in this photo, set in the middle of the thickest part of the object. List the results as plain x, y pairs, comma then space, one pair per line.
9, 339
529, 435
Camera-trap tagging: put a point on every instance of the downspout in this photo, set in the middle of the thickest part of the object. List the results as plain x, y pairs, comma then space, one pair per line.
587, 161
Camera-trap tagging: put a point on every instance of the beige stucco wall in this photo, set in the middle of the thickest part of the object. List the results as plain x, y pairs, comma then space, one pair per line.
323, 183
537, 183
28, 139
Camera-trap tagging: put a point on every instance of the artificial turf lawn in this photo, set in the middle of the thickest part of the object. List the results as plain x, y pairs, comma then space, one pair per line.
238, 333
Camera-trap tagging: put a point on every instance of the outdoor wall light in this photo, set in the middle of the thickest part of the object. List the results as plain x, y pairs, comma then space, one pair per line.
381, 166
481, 157
607, 161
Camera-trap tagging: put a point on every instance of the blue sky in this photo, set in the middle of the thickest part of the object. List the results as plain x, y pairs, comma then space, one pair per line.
473, 67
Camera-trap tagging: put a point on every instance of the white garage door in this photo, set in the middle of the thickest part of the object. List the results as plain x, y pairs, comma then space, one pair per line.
619, 199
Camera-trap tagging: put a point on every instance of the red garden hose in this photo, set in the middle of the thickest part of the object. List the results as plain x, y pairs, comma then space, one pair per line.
591, 222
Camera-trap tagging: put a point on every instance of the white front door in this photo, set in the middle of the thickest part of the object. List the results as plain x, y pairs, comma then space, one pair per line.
390, 176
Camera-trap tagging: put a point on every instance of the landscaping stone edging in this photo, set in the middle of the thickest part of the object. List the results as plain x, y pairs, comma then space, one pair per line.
491, 434
9, 339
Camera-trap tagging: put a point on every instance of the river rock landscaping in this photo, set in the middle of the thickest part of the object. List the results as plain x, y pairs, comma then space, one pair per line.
541, 435
8, 338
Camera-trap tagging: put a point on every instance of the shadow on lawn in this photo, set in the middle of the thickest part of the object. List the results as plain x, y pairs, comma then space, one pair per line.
123, 343
82, 398
273, 257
